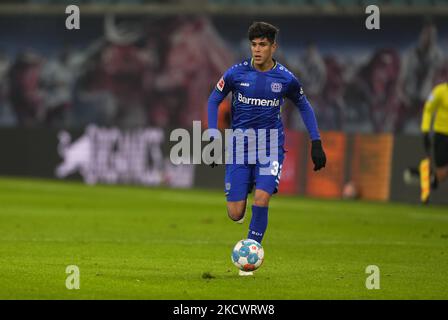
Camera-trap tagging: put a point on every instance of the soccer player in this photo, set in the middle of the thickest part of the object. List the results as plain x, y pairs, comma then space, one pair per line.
259, 86
435, 107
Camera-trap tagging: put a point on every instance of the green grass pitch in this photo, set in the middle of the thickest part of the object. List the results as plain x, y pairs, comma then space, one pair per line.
155, 243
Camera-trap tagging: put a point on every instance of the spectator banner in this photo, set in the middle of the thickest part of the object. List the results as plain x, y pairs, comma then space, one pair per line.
97, 155
291, 174
328, 182
371, 165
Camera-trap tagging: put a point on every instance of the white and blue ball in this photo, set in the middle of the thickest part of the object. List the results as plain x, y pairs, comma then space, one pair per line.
247, 255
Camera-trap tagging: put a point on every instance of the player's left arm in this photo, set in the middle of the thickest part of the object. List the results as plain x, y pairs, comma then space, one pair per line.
296, 95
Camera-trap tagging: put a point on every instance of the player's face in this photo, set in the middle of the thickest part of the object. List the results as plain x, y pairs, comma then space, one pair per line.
262, 50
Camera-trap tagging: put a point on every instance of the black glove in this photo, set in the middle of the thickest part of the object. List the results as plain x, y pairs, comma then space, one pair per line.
427, 143
318, 155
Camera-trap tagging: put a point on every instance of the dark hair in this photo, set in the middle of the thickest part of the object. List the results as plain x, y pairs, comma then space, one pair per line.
263, 30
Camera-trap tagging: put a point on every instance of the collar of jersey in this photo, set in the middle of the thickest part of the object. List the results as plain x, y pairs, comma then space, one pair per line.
252, 65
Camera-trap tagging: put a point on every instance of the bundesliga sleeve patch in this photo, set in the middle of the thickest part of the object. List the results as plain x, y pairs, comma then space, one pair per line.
220, 84
301, 91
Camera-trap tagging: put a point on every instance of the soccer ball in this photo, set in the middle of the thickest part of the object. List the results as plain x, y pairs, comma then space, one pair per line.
247, 255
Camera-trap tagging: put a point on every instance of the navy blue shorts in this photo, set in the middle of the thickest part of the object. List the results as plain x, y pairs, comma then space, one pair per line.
241, 178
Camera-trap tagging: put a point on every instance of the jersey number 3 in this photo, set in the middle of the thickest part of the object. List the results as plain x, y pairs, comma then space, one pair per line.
276, 169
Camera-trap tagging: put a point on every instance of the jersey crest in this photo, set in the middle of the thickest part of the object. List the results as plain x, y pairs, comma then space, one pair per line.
276, 87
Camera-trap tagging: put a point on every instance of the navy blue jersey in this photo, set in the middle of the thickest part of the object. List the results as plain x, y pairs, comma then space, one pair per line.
257, 98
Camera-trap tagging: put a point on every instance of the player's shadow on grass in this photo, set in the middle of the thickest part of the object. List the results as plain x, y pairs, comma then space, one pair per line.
230, 274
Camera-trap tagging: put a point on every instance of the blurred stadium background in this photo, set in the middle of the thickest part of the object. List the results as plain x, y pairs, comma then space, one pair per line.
86, 177
97, 104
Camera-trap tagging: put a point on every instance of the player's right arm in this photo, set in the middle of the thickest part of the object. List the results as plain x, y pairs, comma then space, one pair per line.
223, 87
429, 110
